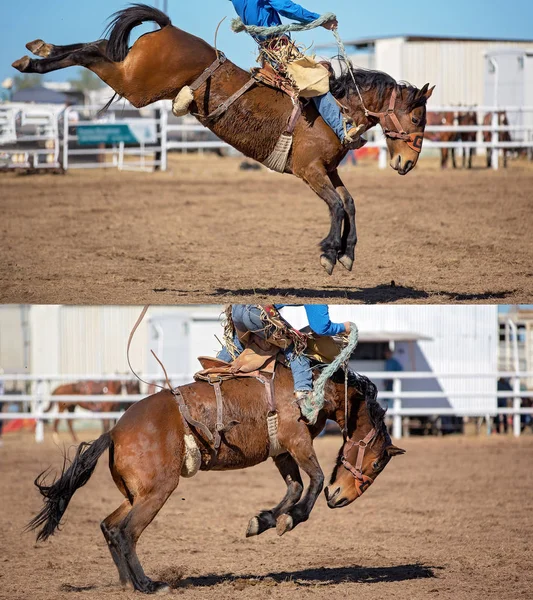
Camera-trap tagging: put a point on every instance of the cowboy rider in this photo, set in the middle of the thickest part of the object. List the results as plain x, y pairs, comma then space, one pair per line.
251, 317
266, 13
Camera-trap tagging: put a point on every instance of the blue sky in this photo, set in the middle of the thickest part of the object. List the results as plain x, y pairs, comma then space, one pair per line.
61, 22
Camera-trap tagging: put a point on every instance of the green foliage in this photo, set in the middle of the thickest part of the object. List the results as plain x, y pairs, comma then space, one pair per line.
86, 81
26, 80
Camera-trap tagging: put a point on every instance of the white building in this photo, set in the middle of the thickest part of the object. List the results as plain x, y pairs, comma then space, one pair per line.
457, 66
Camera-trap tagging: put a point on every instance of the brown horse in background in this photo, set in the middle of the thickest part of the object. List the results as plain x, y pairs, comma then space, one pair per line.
161, 63
443, 118
147, 452
503, 136
467, 118
91, 388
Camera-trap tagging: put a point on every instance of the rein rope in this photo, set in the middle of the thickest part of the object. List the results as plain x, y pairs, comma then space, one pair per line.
237, 25
319, 399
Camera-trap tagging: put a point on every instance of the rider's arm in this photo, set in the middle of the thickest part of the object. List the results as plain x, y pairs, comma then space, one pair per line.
293, 11
319, 321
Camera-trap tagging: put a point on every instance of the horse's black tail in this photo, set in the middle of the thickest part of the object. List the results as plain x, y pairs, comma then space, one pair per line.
58, 494
123, 21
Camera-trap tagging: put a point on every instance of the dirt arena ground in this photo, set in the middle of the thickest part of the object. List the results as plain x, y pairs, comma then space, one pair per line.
208, 232
451, 519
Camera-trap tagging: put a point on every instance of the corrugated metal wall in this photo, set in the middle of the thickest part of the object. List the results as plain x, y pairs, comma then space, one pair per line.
456, 68
93, 339
12, 355
464, 339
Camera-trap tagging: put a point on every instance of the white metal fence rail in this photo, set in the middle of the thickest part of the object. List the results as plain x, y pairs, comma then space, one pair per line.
41, 387
58, 129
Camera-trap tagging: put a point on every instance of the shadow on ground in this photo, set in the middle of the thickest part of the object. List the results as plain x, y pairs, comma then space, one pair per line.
382, 293
306, 577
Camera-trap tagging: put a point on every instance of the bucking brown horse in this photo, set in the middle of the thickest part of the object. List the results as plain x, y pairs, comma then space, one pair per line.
90, 388
161, 63
147, 455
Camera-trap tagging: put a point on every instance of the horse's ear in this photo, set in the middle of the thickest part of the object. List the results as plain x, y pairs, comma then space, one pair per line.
423, 91
394, 451
428, 92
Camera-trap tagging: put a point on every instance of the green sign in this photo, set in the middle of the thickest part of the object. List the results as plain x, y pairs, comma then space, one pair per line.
105, 133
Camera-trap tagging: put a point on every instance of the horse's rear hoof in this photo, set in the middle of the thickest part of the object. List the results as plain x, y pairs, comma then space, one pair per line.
284, 523
346, 262
39, 48
253, 527
22, 64
327, 264
158, 587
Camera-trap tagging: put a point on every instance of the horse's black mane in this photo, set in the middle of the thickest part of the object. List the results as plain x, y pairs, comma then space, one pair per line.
369, 391
367, 79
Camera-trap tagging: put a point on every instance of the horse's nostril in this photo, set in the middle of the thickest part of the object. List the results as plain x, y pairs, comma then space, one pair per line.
326, 492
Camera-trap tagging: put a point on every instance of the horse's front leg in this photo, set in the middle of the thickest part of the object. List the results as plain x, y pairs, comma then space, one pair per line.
316, 177
349, 232
306, 458
290, 472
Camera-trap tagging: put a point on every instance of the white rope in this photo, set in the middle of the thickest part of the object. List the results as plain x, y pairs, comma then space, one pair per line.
311, 409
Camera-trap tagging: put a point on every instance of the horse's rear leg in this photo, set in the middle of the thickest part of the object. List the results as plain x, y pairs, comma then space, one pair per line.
109, 527
44, 50
92, 56
290, 472
126, 535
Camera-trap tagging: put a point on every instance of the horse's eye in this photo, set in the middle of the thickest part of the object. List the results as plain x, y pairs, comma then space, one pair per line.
415, 121
375, 466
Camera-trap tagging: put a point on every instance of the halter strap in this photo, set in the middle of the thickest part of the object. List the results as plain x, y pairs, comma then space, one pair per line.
413, 140
357, 471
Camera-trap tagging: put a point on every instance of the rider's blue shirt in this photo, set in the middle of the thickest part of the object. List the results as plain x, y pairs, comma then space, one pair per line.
266, 13
319, 321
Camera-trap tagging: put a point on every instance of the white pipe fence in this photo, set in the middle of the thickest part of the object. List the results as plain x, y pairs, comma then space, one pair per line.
186, 136
41, 387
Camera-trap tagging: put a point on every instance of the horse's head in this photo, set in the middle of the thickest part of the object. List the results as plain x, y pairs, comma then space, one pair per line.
367, 447
403, 122
399, 108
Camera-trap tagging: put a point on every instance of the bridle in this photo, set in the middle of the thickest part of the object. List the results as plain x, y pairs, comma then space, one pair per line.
362, 482
413, 140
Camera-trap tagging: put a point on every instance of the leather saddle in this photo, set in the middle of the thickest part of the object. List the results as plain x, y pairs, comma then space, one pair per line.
257, 358
270, 77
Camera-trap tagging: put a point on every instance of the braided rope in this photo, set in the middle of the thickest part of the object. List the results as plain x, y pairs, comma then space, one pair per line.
344, 54
237, 25
315, 404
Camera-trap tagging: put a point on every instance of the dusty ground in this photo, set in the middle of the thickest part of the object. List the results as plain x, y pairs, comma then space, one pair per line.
208, 232
451, 519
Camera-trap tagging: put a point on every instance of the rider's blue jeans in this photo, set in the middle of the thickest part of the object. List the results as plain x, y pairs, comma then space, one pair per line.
331, 113
247, 317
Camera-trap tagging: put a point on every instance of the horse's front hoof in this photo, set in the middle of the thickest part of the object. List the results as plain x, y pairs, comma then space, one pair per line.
253, 527
328, 264
346, 262
22, 64
39, 48
284, 523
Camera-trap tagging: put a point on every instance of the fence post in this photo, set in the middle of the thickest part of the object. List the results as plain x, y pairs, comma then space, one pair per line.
517, 403
383, 156
39, 400
65, 138
495, 138
397, 405
163, 139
